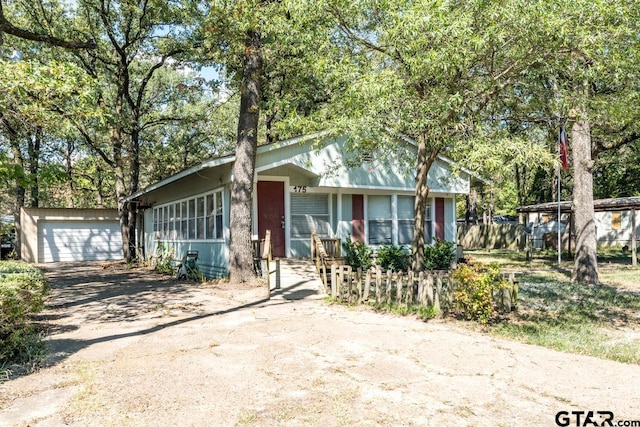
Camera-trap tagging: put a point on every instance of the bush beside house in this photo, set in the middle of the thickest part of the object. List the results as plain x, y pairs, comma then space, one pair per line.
472, 291
22, 292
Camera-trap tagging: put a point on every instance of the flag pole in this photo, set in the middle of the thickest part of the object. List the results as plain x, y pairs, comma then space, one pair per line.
559, 198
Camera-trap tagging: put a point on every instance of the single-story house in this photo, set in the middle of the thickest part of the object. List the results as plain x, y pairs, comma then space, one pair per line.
55, 235
304, 184
617, 220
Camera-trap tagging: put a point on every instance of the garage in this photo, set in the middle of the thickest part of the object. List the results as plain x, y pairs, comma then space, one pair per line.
60, 241
62, 235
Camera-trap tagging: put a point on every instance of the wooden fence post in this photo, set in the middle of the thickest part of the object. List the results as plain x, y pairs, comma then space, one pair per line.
450, 288
334, 282
367, 285
437, 294
399, 281
349, 284
378, 284
429, 288
388, 290
410, 289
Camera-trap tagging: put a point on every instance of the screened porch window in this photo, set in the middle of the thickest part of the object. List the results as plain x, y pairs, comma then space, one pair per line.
197, 218
309, 212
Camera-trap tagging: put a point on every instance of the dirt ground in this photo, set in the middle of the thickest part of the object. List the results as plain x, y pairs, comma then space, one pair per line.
130, 348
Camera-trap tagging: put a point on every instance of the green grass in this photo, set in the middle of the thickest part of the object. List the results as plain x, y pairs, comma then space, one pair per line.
601, 321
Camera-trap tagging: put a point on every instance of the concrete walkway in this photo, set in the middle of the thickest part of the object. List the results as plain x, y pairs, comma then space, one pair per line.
298, 280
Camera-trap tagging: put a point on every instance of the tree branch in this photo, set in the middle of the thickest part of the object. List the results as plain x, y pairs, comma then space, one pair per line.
8, 28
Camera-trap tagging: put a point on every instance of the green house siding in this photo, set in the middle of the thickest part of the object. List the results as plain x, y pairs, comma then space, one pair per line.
312, 172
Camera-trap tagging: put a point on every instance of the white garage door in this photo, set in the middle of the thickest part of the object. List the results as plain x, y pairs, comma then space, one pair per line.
79, 241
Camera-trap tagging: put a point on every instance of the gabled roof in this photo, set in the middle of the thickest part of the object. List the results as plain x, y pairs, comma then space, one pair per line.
219, 161
230, 158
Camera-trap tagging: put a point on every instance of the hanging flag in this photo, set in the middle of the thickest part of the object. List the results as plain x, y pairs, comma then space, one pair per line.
564, 147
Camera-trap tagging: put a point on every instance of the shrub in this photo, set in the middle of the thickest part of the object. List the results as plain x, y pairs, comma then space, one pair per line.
357, 255
474, 290
22, 292
393, 257
440, 256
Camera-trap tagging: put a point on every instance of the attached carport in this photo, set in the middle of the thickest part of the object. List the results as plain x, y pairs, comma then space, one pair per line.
58, 235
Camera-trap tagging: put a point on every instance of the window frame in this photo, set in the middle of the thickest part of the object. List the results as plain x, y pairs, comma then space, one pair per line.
184, 222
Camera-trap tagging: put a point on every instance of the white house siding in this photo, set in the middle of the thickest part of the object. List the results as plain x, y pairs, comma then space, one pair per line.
60, 241
615, 227
52, 235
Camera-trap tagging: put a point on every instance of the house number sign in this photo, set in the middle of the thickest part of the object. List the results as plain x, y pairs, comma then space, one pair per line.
300, 189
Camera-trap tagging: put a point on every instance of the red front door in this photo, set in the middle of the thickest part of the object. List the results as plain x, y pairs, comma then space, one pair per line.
271, 213
357, 221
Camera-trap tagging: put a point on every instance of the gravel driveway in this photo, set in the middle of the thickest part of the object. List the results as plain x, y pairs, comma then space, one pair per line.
131, 348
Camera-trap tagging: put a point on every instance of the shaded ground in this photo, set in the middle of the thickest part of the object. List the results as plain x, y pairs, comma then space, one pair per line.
129, 348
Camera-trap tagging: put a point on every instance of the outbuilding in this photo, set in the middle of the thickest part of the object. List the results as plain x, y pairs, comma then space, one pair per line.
302, 185
616, 219
58, 235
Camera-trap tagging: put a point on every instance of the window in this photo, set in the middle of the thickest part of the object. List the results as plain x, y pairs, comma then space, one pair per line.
616, 220
192, 219
165, 222
200, 218
309, 212
197, 218
428, 225
184, 221
379, 220
218, 233
173, 234
405, 220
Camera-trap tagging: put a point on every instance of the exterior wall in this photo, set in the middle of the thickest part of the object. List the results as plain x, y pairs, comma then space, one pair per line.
302, 168
31, 217
203, 181
612, 227
213, 254
615, 228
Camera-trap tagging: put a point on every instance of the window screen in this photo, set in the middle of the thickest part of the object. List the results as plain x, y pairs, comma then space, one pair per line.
309, 212
379, 219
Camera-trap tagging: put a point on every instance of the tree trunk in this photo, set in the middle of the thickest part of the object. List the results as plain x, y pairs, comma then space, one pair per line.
240, 249
69, 173
33, 149
121, 191
19, 193
424, 162
585, 268
134, 183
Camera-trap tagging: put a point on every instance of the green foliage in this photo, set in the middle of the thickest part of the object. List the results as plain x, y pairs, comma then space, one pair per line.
393, 257
440, 256
473, 294
22, 292
357, 255
422, 312
163, 261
